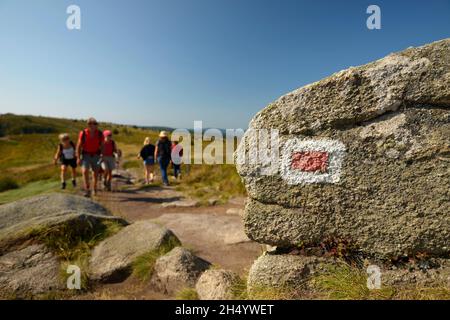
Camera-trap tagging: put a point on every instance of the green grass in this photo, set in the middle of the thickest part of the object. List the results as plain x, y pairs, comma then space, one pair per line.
208, 181
343, 282
143, 265
187, 294
31, 189
76, 238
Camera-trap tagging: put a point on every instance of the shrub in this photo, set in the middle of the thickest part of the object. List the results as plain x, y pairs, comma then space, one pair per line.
8, 184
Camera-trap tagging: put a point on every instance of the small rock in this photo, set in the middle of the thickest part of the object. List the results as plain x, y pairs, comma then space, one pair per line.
235, 211
213, 201
176, 270
180, 204
216, 285
271, 270
111, 260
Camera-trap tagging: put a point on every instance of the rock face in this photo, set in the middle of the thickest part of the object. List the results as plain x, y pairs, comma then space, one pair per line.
216, 284
363, 155
176, 270
418, 278
111, 260
284, 270
18, 218
28, 272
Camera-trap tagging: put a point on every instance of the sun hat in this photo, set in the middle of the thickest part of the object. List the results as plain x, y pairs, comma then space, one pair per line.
163, 134
64, 136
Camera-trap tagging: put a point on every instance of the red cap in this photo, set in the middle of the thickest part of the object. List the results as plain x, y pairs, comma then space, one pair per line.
107, 133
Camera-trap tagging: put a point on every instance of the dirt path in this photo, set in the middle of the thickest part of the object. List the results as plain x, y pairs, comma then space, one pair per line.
214, 232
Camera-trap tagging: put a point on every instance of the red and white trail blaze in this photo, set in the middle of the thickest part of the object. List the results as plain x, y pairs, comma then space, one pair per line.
311, 161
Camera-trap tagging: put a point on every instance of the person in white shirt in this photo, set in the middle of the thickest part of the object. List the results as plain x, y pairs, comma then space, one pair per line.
66, 155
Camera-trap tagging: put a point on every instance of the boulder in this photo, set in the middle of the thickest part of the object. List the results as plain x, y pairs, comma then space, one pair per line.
20, 219
216, 284
177, 270
363, 156
28, 272
111, 260
285, 271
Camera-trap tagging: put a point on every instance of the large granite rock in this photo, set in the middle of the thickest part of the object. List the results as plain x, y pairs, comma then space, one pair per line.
112, 259
363, 155
28, 272
177, 270
20, 219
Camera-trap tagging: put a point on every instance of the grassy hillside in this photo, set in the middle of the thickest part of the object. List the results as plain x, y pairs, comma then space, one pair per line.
28, 144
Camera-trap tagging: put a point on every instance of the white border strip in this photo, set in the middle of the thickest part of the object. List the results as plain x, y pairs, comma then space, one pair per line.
336, 154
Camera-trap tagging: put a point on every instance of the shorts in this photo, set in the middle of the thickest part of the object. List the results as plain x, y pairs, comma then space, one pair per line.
109, 163
90, 162
69, 162
149, 161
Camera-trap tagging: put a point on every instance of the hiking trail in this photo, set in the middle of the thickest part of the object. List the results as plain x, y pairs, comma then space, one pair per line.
214, 233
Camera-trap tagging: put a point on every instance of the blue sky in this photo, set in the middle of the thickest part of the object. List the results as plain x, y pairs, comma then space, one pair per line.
170, 62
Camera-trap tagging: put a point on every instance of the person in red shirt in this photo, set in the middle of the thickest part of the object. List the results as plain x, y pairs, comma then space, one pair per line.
89, 147
109, 151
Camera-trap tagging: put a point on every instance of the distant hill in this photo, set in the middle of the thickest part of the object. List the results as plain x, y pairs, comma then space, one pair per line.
11, 124
156, 128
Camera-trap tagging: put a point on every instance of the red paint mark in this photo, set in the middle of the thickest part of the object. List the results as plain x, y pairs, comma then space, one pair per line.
310, 161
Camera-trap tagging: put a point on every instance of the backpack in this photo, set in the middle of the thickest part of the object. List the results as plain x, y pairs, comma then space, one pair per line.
164, 149
83, 136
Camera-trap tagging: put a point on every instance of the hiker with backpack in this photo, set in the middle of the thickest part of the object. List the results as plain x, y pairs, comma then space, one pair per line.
67, 157
147, 154
89, 148
162, 154
108, 158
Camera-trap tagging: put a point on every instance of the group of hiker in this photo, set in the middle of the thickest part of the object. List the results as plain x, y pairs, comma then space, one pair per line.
163, 153
96, 151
